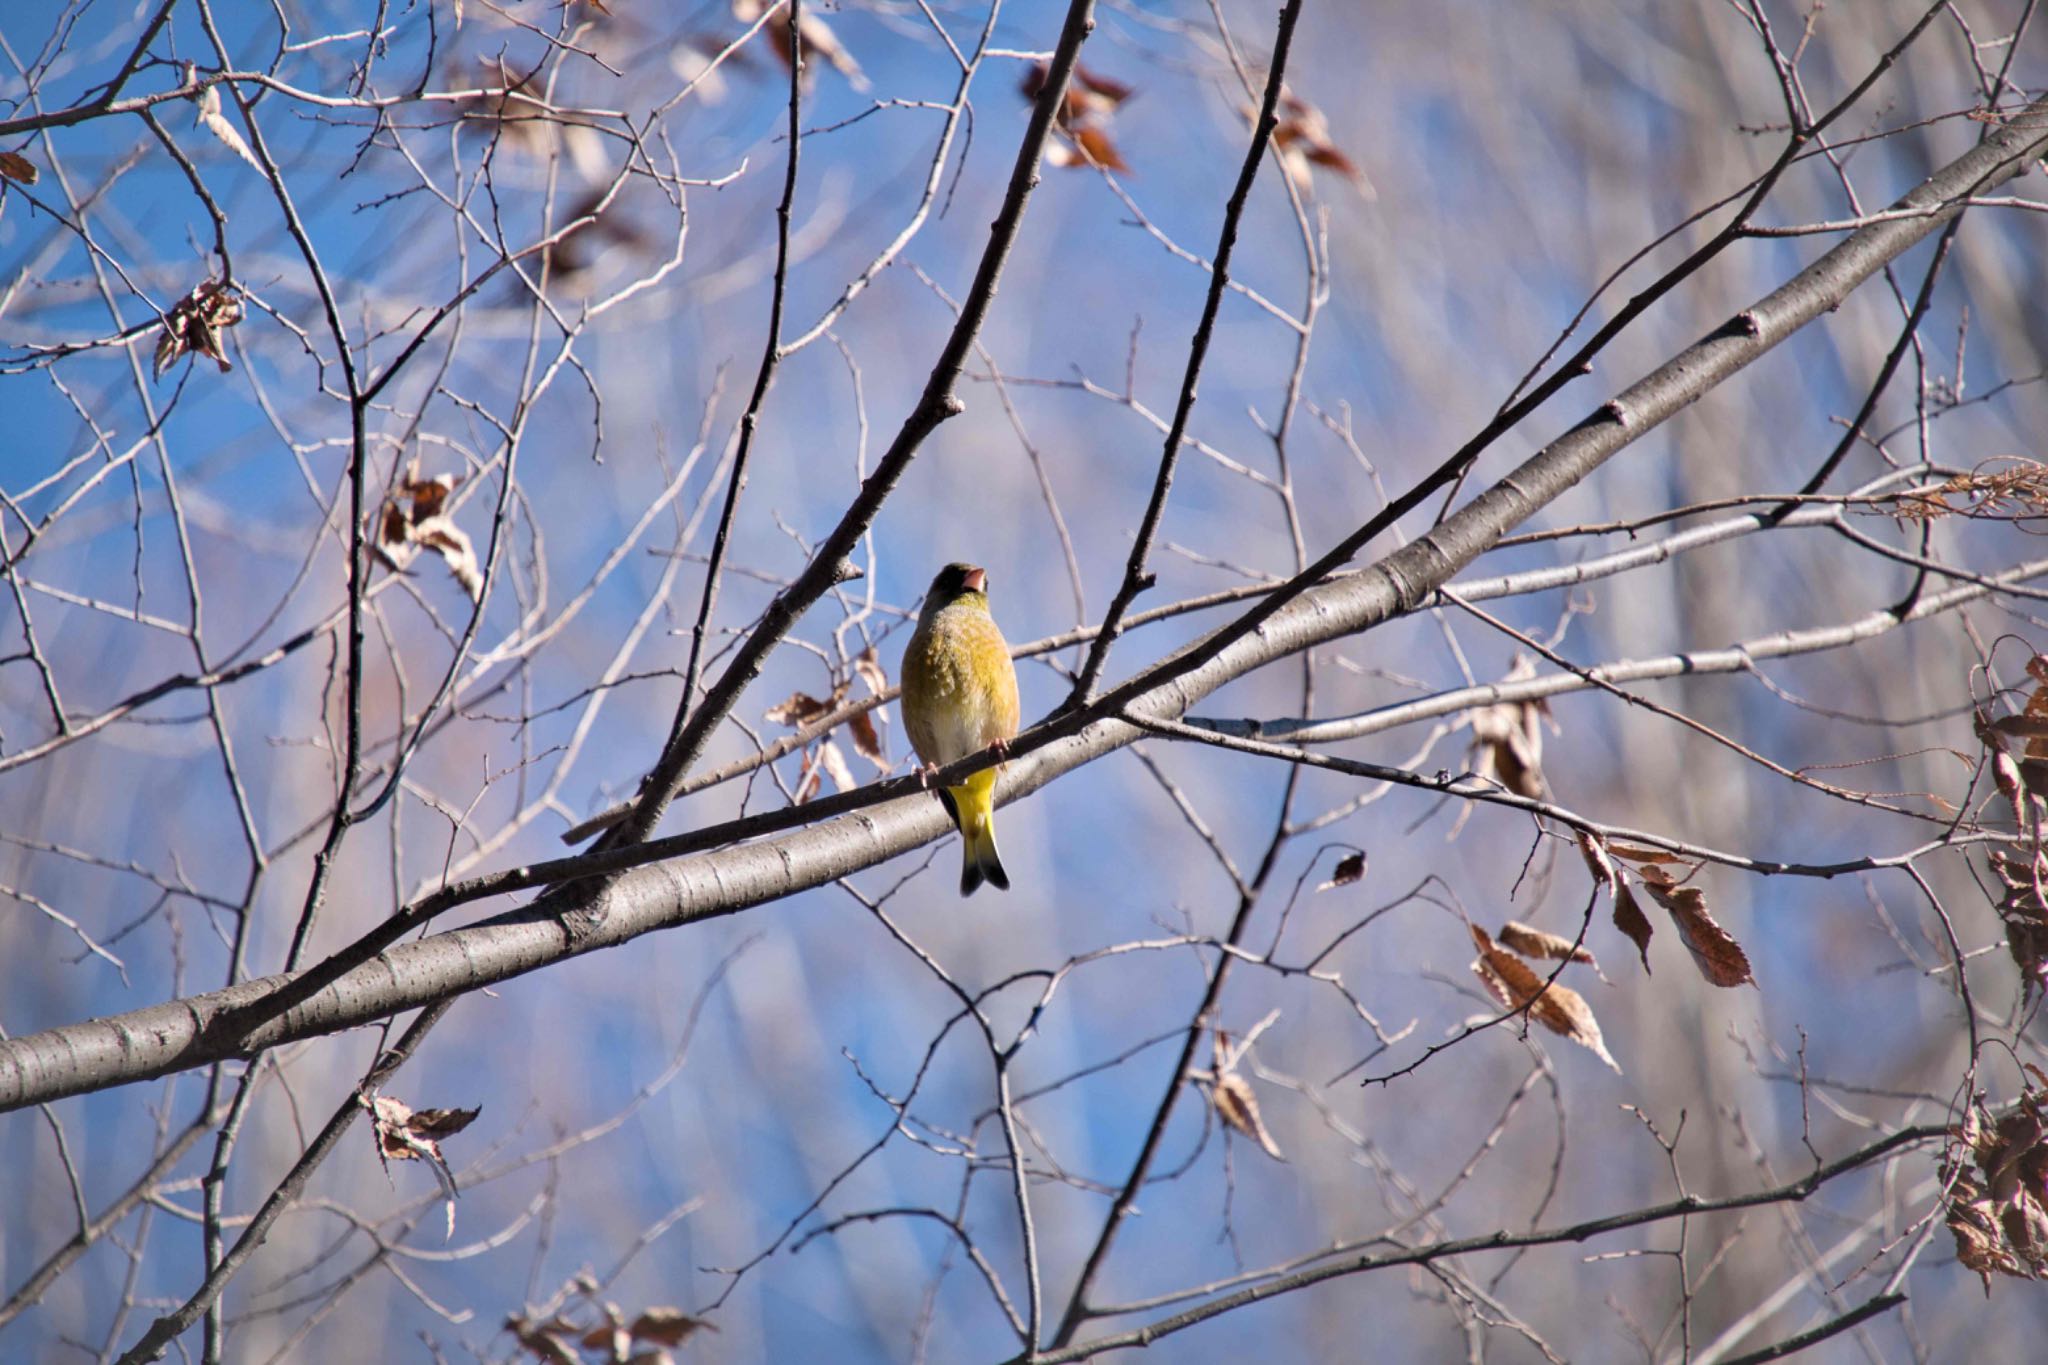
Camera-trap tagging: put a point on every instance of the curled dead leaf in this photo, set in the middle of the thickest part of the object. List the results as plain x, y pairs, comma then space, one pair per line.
195, 323
1081, 127
1996, 1174
407, 1134
867, 737
867, 741
1630, 919
2025, 916
1720, 958
1532, 942
435, 1124
1302, 137
869, 670
422, 522
1628, 914
214, 121
1642, 853
1594, 850
546, 1341
1350, 868
2029, 725
668, 1326
819, 41
1507, 737
1558, 1008
15, 166
799, 709
1238, 1107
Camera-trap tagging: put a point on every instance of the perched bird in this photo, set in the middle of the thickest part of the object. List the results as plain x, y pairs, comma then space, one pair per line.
960, 697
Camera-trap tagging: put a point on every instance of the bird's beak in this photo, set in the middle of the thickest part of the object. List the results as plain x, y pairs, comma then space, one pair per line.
975, 581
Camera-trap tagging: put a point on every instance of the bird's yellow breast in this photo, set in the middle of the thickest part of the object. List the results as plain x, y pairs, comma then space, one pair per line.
959, 689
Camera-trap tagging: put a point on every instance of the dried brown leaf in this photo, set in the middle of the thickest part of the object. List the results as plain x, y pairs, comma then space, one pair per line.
799, 709
451, 542
1081, 126
1534, 943
1101, 86
1091, 140
428, 496
545, 1341
15, 166
2026, 1232
833, 760
1322, 154
424, 523
1630, 919
1641, 853
1628, 914
1558, 1008
1980, 1240
869, 670
407, 1134
1996, 1171
1507, 738
194, 325
867, 741
668, 1326
1594, 850
1302, 136
819, 41
2025, 726
2025, 917
2033, 723
610, 1338
2014, 1161
2010, 489
1088, 90
1721, 959
441, 1123
391, 529
1350, 868
1237, 1106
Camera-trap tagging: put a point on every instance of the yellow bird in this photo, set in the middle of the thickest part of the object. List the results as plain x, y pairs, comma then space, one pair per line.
960, 697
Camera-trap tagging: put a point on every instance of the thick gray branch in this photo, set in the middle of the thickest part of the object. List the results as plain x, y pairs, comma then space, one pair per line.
76, 1058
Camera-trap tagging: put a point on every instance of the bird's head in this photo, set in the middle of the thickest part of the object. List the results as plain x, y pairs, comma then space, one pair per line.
955, 583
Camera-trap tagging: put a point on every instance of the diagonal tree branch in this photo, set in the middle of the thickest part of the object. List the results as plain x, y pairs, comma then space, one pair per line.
1685, 1207
938, 403
1136, 577
76, 1058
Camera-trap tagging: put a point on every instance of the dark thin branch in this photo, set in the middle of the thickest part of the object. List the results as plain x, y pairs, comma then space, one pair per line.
636, 829
1296, 616
1137, 578
1793, 1345
33, 1288
173, 1325
1692, 1205
938, 403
